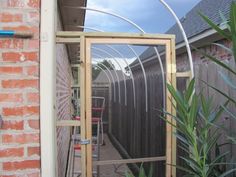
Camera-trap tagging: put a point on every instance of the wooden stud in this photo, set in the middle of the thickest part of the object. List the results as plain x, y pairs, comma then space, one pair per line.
75, 65
127, 161
168, 109
82, 76
141, 41
88, 107
67, 123
70, 34
62, 40
173, 106
75, 86
186, 74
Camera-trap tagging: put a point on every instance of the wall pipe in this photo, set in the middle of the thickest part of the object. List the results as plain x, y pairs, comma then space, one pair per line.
16, 34
101, 50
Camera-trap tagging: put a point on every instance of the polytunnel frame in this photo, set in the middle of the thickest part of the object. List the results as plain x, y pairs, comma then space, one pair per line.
139, 60
121, 56
114, 68
108, 78
47, 88
156, 51
113, 80
116, 74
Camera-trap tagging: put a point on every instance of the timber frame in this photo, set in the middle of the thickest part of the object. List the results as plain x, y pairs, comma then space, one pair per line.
86, 39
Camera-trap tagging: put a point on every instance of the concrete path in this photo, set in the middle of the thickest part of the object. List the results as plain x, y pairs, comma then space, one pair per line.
107, 152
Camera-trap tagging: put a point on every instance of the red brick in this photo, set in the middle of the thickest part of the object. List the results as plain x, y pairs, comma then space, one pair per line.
11, 56
34, 3
16, 111
37, 174
33, 97
32, 110
34, 124
15, 3
27, 164
33, 151
13, 125
33, 70
12, 152
11, 97
20, 111
20, 138
11, 44
20, 56
25, 83
8, 17
10, 70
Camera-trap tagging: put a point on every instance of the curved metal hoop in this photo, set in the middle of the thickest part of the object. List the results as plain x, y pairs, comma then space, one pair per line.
109, 13
124, 59
184, 35
142, 31
131, 72
98, 49
109, 80
114, 87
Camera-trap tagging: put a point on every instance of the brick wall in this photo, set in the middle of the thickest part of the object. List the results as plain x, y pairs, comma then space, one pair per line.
182, 59
63, 104
19, 90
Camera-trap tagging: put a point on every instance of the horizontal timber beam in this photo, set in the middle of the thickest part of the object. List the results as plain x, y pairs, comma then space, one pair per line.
68, 123
183, 74
70, 34
64, 40
127, 161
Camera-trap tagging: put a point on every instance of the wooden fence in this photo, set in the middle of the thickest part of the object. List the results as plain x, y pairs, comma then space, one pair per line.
141, 133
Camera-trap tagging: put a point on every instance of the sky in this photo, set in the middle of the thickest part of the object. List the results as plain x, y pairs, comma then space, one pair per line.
150, 15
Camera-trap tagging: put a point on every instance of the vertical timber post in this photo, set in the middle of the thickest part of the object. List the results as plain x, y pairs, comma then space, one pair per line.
83, 103
170, 79
88, 106
173, 111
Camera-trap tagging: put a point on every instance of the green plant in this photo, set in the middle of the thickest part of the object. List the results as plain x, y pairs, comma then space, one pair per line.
229, 34
196, 119
198, 136
141, 172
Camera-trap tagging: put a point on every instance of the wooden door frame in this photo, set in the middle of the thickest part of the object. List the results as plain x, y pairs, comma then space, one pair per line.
111, 38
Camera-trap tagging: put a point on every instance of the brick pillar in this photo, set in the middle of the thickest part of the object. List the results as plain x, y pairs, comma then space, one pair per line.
19, 90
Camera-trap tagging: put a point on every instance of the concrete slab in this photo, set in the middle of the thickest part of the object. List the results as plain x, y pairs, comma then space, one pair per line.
107, 152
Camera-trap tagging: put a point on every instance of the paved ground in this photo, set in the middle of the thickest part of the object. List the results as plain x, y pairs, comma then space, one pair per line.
108, 152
